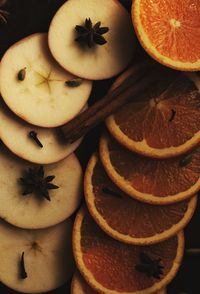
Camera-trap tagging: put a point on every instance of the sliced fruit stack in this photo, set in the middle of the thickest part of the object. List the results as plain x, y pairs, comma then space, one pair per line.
45, 81
38, 195
140, 189
140, 192
42, 187
79, 286
42, 95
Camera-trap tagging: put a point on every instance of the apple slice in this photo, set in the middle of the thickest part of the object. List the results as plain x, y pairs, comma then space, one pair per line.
36, 88
37, 209
79, 285
21, 138
35, 261
90, 49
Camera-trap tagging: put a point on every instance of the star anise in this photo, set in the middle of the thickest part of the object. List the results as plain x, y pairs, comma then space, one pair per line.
149, 266
91, 35
3, 13
35, 182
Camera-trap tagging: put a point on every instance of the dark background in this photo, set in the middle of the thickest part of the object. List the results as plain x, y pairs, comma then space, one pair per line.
30, 16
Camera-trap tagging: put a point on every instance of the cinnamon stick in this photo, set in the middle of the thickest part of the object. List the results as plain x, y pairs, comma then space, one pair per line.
140, 79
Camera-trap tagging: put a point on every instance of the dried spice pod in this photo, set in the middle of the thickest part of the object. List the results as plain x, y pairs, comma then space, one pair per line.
91, 34
89, 38
34, 181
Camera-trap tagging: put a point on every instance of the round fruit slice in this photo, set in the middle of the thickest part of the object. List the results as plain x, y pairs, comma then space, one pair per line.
112, 267
129, 220
79, 286
150, 180
169, 31
36, 88
35, 144
35, 261
35, 196
164, 122
92, 39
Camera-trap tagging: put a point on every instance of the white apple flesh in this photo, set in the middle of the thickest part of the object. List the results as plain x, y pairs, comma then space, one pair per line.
48, 260
41, 95
33, 212
14, 132
100, 61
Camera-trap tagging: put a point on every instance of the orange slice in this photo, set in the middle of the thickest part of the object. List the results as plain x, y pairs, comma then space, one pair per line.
150, 180
112, 267
162, 123
169, 31
79, 286
129, 220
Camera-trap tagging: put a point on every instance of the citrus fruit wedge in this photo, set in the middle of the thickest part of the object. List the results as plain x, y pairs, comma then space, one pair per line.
154, 181
36, 88
92, 39
35, 261
112, 267
79, 286
169, 31
127, 219
34, 196
164, 122
22, 139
